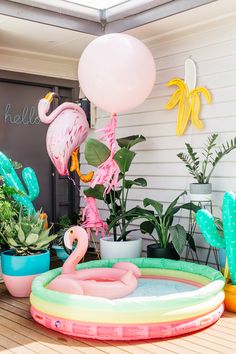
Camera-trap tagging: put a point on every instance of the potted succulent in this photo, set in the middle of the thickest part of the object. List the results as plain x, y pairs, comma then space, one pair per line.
170, 239
202, 171
121, 243
28, 255
210, 231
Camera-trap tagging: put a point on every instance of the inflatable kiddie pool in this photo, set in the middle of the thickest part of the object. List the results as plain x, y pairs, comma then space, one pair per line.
172, 298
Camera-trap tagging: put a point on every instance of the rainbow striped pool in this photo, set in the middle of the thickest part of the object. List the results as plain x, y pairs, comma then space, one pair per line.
172, 298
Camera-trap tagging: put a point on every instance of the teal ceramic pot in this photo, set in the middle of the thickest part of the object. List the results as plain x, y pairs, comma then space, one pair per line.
19, 271
60, 252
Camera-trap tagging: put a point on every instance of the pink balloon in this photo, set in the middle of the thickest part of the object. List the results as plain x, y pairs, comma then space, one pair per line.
116, 72
67, 131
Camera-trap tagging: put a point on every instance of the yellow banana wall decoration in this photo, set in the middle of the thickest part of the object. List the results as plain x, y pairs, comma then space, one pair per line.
189, 104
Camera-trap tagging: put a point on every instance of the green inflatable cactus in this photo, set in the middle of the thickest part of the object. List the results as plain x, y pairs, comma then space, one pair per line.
208, 228
11, 179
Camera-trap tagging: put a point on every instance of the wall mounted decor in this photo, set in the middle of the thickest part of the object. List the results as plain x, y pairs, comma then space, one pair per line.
187, 96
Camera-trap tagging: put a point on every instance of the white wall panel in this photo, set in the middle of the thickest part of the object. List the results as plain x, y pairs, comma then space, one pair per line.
214, 52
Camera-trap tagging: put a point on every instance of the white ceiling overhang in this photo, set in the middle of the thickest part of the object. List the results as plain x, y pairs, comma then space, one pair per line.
117, 16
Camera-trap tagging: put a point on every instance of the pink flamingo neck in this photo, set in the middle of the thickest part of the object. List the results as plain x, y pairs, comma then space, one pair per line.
43, 108
78, 253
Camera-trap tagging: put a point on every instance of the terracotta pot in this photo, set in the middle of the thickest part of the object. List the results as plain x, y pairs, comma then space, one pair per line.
155, 251
230, 297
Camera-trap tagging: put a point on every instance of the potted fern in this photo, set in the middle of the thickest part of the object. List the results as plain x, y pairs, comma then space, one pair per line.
28, 255
202, 170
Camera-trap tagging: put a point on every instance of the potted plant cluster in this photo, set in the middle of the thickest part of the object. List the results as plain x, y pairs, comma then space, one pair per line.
28, 255
202, 170
121, 243
170, 239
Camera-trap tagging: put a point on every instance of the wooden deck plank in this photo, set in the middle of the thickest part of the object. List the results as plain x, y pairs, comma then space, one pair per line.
107, 348
13, 309
50, 338
172, 347
39, 344
24, 341
229, 337
150, 347
21, 335
130, 347
13, 345
215, 339
11, 301
207, 346
182, 343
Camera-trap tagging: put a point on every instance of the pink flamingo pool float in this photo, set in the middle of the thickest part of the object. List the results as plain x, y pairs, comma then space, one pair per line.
111, 283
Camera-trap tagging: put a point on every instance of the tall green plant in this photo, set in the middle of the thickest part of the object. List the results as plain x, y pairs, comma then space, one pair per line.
202, 171
159, 223
96, 153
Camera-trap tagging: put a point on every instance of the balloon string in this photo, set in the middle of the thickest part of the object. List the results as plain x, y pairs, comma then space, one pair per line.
73, 181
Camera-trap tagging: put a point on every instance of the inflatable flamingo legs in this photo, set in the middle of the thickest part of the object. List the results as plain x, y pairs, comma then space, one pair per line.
111, 283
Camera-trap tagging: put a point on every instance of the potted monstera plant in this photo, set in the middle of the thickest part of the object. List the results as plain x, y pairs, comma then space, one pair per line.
121, 243
202, 170
28, 255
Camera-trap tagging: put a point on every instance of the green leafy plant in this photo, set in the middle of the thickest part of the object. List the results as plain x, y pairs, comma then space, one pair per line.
202, 171
64, 223
27, 235
159, 223
96, 153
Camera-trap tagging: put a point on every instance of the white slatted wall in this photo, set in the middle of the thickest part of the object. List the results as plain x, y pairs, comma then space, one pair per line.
214, 52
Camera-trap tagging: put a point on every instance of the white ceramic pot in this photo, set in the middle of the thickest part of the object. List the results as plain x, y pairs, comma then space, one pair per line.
123, 249
200, 192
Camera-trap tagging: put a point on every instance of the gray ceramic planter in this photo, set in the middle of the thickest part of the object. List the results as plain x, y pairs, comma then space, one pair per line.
200, 192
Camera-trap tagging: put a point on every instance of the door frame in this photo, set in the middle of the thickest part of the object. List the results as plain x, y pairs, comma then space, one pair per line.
53, 84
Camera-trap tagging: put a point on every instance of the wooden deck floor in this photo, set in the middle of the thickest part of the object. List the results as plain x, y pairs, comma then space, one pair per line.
20, 334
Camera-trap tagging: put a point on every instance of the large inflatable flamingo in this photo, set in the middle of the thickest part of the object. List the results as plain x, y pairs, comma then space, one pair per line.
111, 283
67, 131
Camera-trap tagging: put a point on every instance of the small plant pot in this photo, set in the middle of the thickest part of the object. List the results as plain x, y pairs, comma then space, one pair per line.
200, 192
155, 251
20, 271
132, 248
60, 252
230, 297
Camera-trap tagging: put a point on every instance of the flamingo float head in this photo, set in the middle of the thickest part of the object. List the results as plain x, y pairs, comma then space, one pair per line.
75, 233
